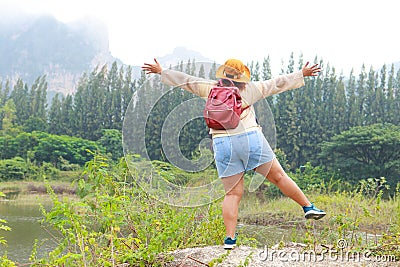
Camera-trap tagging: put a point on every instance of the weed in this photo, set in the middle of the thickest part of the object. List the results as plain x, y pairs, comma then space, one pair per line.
246, 260
216, 261
115, 222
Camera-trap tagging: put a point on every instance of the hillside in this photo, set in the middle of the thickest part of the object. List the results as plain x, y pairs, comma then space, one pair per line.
31, 46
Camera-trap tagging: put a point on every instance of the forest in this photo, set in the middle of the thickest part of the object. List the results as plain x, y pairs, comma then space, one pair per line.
347, 124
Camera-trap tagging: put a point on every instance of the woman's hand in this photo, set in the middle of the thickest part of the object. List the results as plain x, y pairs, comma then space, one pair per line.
152, 68
311, 71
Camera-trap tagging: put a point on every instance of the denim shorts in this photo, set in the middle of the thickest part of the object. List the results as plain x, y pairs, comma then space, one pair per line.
242, 152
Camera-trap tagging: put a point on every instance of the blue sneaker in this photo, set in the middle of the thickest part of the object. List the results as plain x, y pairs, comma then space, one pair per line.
311, 212
230, 243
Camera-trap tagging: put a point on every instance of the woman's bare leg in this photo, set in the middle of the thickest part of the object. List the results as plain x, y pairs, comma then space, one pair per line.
230, 206
274, 172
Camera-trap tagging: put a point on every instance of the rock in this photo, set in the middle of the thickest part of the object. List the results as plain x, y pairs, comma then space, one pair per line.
293, 254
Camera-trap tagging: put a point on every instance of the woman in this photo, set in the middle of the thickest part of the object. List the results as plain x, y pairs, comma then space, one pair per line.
245, 147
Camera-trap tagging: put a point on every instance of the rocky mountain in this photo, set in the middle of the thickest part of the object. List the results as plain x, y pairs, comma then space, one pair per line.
32, 46
36, 45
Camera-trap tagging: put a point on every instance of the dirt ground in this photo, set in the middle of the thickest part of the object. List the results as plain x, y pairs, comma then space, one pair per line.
293, 254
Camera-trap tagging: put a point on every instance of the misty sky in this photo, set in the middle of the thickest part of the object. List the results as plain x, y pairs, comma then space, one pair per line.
345, 33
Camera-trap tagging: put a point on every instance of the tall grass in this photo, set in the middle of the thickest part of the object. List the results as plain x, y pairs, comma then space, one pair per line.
362, 217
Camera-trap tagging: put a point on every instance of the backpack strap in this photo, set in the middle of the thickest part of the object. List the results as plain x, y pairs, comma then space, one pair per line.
245, 108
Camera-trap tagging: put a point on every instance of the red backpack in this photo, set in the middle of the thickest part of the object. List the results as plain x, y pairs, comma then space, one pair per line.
223, 107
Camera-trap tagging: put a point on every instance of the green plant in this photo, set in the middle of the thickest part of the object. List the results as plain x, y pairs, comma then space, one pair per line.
220, 259
373, 188
13, 169
3, 225
115, 222
4, 261
389, 243
246, 260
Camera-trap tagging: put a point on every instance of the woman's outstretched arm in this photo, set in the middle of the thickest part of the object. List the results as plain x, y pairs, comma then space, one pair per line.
152, 68
193, 84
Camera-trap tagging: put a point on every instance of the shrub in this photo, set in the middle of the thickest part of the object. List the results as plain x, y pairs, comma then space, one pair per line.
13, 169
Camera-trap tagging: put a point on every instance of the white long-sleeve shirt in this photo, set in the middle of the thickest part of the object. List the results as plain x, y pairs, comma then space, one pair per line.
253, 92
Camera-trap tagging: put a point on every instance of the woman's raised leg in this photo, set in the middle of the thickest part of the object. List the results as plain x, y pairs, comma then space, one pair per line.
274, 172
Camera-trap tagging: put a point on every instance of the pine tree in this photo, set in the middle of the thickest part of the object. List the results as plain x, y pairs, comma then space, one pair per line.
180, 66
128, 88
255, 71
317, 131
55, 117
352, 112
303, 99
290, 67
361, 96
193, 69
381, 97
9, 117
81, 109
188, 68
287, 130
213, 70
4, 96
330, 85
113, 96
4, 92
98, 104
38, 96
21, 99
370, 99
202, 72
339, 107
266, 72
396, 100
67, 115
389, 106
35, 105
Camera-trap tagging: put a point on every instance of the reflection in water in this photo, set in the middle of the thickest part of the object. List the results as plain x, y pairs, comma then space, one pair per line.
24, 220
11, 192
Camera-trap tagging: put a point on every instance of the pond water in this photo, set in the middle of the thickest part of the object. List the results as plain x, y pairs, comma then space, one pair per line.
24, 219
23, 214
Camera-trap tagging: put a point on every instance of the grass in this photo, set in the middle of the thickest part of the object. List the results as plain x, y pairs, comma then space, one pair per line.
63, 180
32, 187
364, 222
34, 192
370, 213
